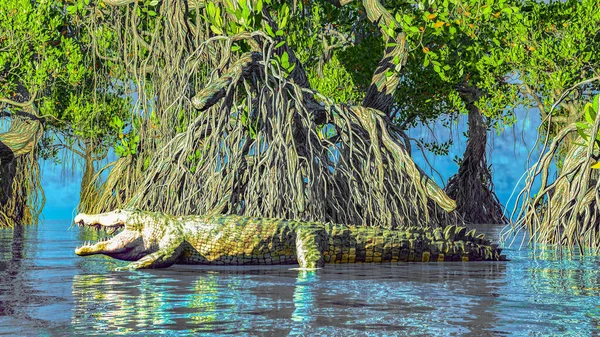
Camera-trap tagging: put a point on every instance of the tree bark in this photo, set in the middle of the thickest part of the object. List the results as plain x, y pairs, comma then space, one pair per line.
88, 192
472, 187
18, 171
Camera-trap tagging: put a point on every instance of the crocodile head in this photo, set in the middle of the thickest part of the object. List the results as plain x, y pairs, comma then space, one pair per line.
129, 244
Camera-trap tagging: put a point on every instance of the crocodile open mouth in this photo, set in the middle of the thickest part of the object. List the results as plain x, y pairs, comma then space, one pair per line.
109, 231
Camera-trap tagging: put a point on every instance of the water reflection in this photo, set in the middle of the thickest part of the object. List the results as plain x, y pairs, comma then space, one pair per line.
46, 290
304, 301
162, 301
204, 300
370, 298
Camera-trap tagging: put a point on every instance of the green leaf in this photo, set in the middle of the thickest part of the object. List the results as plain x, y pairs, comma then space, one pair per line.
280, 44
285, 60
269, 30
581, 127
71, 9
216, 30
210, 8
588, 113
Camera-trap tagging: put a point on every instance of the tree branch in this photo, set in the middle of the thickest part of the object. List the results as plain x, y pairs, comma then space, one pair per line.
529, 91
217, 89
21, 139
385, 81
20, 105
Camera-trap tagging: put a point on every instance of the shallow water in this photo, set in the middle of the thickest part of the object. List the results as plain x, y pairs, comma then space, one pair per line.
46, 290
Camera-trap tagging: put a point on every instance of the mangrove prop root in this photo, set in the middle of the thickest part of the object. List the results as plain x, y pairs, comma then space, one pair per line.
235, 134
21, 197
564, 212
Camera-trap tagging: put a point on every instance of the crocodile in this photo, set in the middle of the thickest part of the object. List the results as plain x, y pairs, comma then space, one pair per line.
157, 240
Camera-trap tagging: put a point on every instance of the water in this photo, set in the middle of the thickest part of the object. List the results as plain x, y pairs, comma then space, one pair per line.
46, 290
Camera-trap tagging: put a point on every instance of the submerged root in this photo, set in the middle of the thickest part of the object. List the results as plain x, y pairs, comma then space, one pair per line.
565, 212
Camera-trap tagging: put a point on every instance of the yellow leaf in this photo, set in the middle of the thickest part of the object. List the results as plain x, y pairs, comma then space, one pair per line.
426, 50
431, 16
532, 48
438, 24
596, 166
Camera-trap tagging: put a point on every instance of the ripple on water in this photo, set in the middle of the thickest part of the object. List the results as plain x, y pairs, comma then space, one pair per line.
46, 290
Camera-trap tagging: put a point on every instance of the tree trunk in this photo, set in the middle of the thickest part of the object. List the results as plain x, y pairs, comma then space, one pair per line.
472, 187
19, 172
88, 192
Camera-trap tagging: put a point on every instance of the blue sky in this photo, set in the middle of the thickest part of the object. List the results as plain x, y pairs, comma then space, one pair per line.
507, 153
508, 157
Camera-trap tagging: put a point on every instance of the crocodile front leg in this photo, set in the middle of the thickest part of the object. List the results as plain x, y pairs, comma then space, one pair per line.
165, 257
310, 244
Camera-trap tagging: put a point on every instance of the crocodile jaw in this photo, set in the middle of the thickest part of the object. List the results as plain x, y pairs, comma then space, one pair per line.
116, 245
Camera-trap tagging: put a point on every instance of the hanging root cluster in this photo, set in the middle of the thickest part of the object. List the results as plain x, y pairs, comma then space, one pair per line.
21, 197
261, 152
254, 140
564, 212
